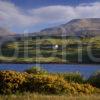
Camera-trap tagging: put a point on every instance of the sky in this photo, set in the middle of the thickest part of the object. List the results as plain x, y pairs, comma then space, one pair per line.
33, 15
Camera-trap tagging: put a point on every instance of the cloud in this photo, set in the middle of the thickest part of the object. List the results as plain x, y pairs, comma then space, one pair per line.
54, 13
14, 16
66, 13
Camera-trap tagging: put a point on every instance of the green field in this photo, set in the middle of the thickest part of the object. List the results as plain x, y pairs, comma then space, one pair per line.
43, 50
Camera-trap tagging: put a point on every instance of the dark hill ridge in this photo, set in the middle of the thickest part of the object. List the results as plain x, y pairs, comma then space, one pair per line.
76, 27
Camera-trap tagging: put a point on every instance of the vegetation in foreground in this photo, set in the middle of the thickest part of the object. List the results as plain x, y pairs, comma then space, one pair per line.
34, 96
37, 80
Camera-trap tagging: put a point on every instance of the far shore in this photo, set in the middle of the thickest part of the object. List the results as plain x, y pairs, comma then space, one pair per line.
5, 62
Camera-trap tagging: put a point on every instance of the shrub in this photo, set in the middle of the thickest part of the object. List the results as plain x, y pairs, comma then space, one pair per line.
36, 70
46, 84
51, 84
95, 79
72, 77
11, 81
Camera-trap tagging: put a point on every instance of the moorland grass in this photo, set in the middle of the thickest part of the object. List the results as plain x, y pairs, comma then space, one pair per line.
34, 96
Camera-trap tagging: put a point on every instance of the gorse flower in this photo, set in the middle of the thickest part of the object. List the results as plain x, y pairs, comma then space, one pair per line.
12, 82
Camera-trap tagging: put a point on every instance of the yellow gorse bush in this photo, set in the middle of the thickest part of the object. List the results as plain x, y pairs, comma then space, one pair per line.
12, 82
54, 84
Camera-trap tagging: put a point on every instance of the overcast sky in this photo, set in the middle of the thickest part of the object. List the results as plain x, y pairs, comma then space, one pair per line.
34, 15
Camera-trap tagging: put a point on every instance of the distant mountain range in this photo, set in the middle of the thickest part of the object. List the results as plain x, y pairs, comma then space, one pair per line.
76, 27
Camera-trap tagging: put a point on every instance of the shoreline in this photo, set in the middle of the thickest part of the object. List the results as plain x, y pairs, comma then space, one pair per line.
49, 63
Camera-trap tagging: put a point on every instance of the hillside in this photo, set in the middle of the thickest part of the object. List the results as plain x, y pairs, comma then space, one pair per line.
87, 27
76, 27
55, 49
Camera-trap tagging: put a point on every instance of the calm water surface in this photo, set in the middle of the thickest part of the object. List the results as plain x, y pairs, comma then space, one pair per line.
86, 70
